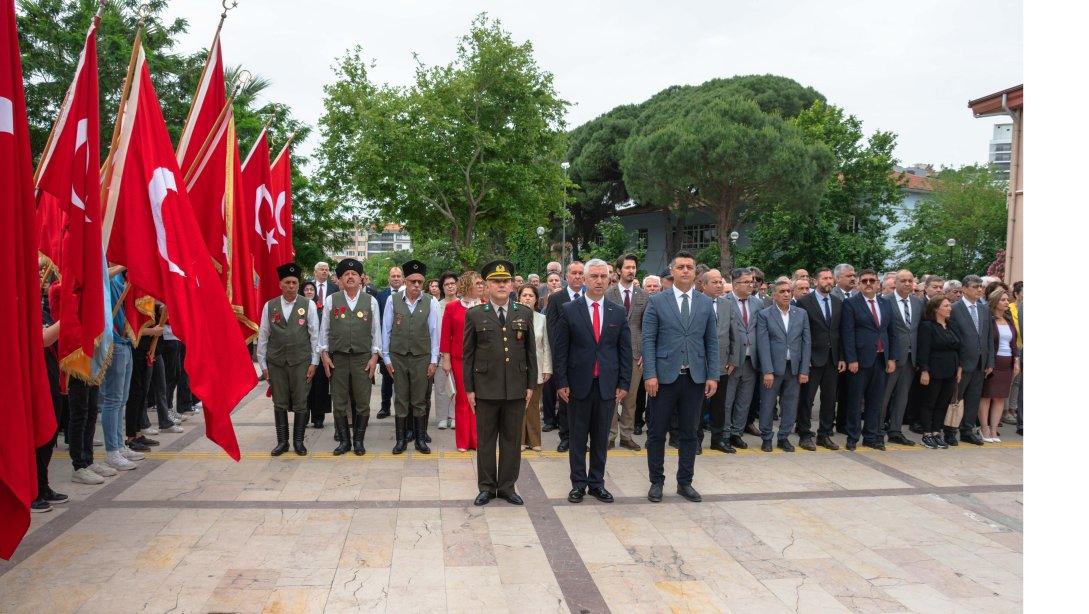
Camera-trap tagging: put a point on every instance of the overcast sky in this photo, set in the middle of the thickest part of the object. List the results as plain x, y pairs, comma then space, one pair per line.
910, 68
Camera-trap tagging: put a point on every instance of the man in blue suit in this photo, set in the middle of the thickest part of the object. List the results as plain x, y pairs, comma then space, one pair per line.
592, 360
783, 342
867, 345
680, 370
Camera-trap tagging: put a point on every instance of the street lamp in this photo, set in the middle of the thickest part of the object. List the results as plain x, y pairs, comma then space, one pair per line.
563, 248
951, 243
733, 246
540, 246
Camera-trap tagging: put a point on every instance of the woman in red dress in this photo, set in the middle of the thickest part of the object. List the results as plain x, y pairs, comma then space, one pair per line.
470, 287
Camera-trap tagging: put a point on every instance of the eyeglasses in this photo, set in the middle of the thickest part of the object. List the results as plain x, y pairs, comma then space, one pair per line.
867, 281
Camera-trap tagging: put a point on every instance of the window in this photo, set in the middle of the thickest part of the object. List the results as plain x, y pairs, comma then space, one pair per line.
698, 237
1003, 147
642, 238
1002, 157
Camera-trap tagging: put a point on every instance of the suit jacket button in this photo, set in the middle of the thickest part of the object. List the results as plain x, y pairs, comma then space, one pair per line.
504, 338
508, 358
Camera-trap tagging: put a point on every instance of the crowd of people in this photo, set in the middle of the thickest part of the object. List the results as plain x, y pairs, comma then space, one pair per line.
598, 355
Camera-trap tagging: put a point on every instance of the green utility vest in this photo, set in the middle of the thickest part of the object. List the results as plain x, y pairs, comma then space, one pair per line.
409, 335
288, 333
349, 330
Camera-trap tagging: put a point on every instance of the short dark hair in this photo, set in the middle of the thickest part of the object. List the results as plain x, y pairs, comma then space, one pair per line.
932, 307
971, 280
756, 272
1018, 286
865, 272
524, 287
929, 279
740, 272
621, 260
445, 274
681, 254
818, 272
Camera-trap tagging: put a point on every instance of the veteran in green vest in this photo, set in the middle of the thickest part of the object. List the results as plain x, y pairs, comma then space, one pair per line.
287, 352
499, 362
349, 352
410, 349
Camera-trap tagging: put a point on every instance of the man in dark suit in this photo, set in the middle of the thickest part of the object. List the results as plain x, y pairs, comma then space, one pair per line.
846, 287
396, 283
826, 362
742, 382
729, 356
552, 315
907, 310
681, 364
782, 341
499, 358
634, 300
325, 286
868, 347
971, 320
593, 364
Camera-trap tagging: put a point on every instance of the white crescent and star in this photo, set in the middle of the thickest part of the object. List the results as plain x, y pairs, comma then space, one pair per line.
81, 141
269, 237
162, 182
281, 200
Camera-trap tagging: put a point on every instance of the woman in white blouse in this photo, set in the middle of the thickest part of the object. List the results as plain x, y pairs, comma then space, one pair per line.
531, 426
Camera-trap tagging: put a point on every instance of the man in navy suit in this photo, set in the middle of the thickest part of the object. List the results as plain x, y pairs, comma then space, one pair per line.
680, 369
592, 360
782, 340
868, 347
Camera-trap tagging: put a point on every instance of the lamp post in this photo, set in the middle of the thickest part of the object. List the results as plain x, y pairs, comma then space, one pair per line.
734, 236
540, 246
563, 244
951, 243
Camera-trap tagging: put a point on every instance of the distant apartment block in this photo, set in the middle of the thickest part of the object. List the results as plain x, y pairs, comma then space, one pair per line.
367, 242
1001, 149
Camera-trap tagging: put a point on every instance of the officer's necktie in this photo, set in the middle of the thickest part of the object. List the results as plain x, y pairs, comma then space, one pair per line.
502, 318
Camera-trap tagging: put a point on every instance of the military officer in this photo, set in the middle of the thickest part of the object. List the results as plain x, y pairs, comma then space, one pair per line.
410, 349
500, 372
350, 341
287, 352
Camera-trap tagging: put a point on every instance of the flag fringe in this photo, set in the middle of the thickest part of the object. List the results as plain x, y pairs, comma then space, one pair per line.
78, 365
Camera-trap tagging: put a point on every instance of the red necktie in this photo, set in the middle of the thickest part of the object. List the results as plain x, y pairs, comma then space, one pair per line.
321, 293
597, 331
745, 312
627, 302
873, 310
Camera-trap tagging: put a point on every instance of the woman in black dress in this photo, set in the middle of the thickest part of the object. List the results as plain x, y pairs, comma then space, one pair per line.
319, 402
939, 369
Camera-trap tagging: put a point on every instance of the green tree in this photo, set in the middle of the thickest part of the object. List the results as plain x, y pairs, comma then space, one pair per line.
728, 148
614, 241
854, 213
51, 36
455, 154
968, 205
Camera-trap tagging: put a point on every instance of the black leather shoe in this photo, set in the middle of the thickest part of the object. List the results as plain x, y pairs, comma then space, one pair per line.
599, 493
825, 441
421, 435
876, 445
576, 495
382, 413
686, 491
399, 428
340, 423
655, 493
916, 428
513, 498
722, 446
900, 439
136, 446
973, 438
483, 498
785, 445
638, 430
851, 446
548, 428
144, 439
564, 446
359, 432
950, 438
807, 443
739, 443
766, 445
699, 446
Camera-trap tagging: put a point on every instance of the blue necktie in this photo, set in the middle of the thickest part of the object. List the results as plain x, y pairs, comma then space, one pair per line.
827, 312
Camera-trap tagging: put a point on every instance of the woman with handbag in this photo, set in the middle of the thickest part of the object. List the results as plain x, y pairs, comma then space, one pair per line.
996, 388
939, 371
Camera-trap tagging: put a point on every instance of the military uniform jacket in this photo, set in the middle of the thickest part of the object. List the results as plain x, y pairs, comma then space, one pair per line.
499, 362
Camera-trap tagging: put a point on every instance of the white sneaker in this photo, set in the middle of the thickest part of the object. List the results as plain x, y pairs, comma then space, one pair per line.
176, 417
103, 470
117, 461
996, 440
98, 443
151, 431
86, 476
450, 424
174, 429
131, 454
197, 407
442, 425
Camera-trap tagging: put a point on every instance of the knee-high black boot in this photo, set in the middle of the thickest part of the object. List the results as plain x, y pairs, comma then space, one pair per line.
358, 433
421, 434
301, 418
340, 423
281, 432
402, 443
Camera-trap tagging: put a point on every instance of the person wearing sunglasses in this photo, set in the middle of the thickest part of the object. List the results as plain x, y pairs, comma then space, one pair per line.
869, 348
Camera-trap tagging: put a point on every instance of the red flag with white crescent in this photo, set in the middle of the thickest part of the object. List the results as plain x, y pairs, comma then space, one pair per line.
266, 240
281, 195
152, 231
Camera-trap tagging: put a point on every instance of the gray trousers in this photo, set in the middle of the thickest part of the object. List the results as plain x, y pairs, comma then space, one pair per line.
785, 389
897, 386
971, 390
739, 389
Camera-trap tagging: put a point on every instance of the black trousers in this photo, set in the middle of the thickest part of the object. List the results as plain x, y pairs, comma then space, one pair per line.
136, 405
548, 403
157, 394
719, 420
319, 402
499, 422
641, 405
842, 407
44, 454
825, 379
866, 387
590, 417
387, 388
933, 401
82, 416
684, 398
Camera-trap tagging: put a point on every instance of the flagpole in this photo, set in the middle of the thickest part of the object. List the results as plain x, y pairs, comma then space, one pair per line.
107, 166
211, 134
204, 72
286, 145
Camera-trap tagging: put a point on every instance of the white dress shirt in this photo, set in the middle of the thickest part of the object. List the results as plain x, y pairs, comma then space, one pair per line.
600, 312
376, 332
432, 324
311, 325
904, 303
786, 324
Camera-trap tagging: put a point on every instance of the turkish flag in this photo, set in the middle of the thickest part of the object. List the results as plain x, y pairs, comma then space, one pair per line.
26, 415
267, 237
152, 231
281, 194
71, 224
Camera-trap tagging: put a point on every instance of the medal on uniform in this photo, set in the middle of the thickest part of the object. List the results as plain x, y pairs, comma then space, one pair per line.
302, 321
519, 335
398, 318
359, 314
302, 311
363, 314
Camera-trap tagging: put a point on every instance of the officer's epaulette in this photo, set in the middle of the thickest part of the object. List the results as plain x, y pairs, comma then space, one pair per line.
514, 307
483, 306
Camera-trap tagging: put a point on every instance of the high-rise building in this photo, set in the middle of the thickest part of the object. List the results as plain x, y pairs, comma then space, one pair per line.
1001, 149
367, 242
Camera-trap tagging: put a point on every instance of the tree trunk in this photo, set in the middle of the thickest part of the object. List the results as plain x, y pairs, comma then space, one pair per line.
722, 228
